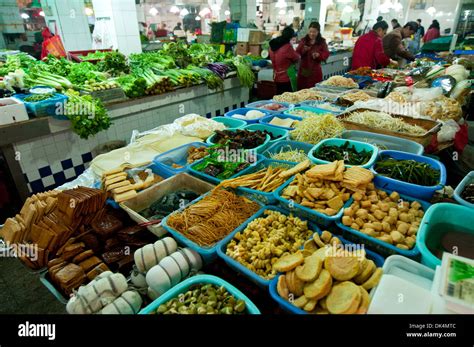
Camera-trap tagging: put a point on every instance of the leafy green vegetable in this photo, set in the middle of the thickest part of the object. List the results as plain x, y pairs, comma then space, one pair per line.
114, 63
134, 87
244, 71
346, 152
410, 171
82, 72
97, 55
38, 97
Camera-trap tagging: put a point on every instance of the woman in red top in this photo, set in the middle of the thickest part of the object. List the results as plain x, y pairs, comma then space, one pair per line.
283, 56
433, 32
313, 50
368, 50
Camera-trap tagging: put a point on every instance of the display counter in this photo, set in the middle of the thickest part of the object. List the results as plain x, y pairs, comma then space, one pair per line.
44, 153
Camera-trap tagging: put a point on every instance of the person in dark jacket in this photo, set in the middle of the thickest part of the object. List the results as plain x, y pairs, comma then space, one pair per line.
283, 56
393, 45
368, 50
395, 24
313, 50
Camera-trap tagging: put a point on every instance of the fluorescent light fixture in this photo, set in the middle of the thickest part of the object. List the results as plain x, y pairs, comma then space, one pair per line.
153, 11
41, 13
227, 12
88, 11
184, 12
24, 16
431, 10
197, 18
440, 14
174, 9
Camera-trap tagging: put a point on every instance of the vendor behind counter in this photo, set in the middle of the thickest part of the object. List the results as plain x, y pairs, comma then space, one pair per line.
393, 42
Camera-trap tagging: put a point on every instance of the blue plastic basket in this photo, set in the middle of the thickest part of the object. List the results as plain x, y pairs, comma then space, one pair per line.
413, 190
257, 195
268, 119
279, 133
242, 111
184, 286
383, 248
179, 156
384, 142
208, 254
284, 146
238, 267
317, 104
257, 105
359, 146
305, 212
230, 122
259, 149
48, 107
289, 307
460, 188
362, 81
316, 111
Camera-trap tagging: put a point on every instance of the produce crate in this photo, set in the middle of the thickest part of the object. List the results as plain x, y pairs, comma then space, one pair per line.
281, 133
288, 146
230, 122
362, 81
13, 111
382, 248
258, 106
384, 142
179, 156
410, 189
289, 307
460, 188
78, 55
184, 286
268, 119
316, 111
258, 149
431, 127
44, 108
257, 195
450, 217
148, 196
359, 146
243, 111
305, 212
208, 254
235, 265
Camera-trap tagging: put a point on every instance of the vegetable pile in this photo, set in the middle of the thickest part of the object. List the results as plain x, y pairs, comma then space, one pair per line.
346, 152
168, 203
214, 166
38, 97
385, 121
240, 139
468, 193
316, 128
410, 171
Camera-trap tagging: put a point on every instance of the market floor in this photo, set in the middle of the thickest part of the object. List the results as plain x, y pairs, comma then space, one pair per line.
21, 291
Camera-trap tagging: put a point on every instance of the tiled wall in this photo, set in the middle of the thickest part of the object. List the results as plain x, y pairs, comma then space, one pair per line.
52, 160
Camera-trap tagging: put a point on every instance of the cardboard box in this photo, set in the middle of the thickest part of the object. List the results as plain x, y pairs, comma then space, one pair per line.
242, 48
257, 37
255, 50
12, 111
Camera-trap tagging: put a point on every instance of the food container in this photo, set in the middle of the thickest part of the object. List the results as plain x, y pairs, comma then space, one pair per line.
362, 81
305, 212
148, 196
384, 142
281, 134
216, 180
409, 270
12, 111
257, 195
231, 123
359, 146
199, 279
289, 307
431, 127
258, 149
258, 105
44, 278
268, 119
283, 146
443, 216
410, 189
319, 105
243, 111
316, 111
208, 254
460, 188
238, 267
179, 156
44, 108
383, 248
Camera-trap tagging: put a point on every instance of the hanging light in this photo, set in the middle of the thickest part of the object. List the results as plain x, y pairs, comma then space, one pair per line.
88, 11
282, 12
153, 11
25, 15
174, 9
197, 18
227, 12
41, 13
184, 12
281, 4
431, 10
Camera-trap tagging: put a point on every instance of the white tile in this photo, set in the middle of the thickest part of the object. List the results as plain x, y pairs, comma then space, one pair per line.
38, 152
50, 149
77, 160
33, 175
69, 173
48, 181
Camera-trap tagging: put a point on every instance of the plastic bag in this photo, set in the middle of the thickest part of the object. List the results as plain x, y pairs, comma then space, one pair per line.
448, 131
197, 126
86, 179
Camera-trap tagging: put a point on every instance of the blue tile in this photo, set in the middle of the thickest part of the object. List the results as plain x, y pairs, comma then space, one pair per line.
79, 169
218, 113
45, 171
59, 178
66, 164
87, 157
208, 115
226, 109
37, 186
